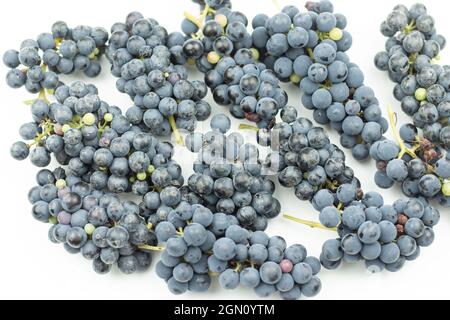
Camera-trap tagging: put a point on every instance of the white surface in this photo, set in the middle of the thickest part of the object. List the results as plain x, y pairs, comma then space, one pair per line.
32, 267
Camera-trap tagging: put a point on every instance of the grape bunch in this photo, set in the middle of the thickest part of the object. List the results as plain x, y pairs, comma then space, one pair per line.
309, 49
221, 49
204, 30
421, 167
410, 56
215, 34
64, 50
303, 158
96, 224
384, 236
133, 162
140, 54
229, 176
250, 90
64, 127
98, 144
215, 245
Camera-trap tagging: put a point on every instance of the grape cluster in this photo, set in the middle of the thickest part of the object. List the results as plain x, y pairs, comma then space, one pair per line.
221, 49
410, 55
134, 161
250, 90
411, 52
421, 167
309, 49
140, 54
64, 50
96, 224
215, 244
304, 159
64, 127
230, 177
384, 236
217, 33
97, 143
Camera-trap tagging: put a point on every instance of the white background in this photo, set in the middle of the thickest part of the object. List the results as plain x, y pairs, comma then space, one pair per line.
32, 267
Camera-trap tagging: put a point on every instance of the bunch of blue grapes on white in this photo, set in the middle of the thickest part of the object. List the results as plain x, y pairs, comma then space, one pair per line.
422, 171
384, 236
95, 223
215, 245
221, 47
218, 32
309, 49
230, 177
303, 158
97, 143
422, 85
64, 127
140, 53
64, 50
250, 90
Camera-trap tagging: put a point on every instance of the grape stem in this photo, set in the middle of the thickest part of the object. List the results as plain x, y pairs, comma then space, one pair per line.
332, 185
58, 42
198, 21
94, 54
176, 132
48, 129
310, 53
151, 248
277, 4
193, 19
180, 232
444, 121
403, 149
410, 27
41, 96
244, 126
323, 35
412, 59
436, 59
326, 84
311, 224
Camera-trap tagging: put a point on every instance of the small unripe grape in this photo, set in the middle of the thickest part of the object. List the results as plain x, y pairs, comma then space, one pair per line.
336, 34
421, 94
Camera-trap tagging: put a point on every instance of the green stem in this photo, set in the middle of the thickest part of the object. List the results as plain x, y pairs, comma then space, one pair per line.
308, 223
193, 19
151, 248
176, 132
277, 4
180, 232
403, 148
244, 126
310, 53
